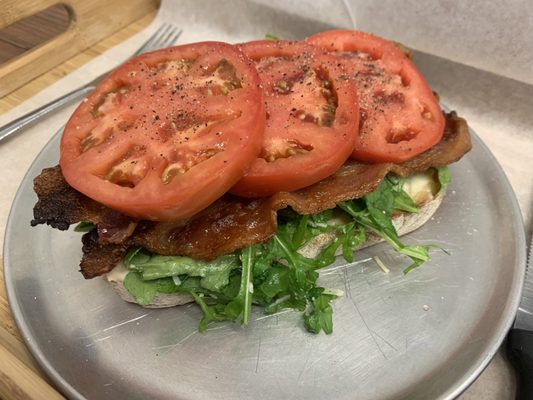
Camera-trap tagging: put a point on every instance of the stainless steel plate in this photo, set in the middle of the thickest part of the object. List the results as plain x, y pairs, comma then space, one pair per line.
425, 335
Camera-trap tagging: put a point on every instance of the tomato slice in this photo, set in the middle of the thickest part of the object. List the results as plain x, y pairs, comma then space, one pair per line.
312, 117
168, 132
400, 116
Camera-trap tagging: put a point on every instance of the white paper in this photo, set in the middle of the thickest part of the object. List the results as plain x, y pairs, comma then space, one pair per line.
495, 36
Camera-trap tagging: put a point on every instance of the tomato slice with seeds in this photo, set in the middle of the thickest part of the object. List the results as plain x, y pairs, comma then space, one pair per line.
400, 116
168, 132
312, 118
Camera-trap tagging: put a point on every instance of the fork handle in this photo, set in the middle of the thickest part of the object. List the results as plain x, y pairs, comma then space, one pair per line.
30, 118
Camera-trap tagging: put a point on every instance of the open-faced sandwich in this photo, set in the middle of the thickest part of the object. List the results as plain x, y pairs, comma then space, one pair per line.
229, 175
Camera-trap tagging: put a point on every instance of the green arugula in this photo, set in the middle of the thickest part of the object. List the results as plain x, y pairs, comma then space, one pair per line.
275, 275
269, 36
211, 314
377, 217
84, 226
444, 176
320, 316
214, 274
142, 292
241, 305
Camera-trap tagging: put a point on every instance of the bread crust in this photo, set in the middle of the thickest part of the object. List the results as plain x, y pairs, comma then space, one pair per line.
403, 222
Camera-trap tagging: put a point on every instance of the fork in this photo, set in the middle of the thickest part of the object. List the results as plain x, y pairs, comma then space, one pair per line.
166, 35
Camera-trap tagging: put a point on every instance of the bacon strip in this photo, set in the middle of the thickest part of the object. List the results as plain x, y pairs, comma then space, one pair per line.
98, 257
231, 222
59, 205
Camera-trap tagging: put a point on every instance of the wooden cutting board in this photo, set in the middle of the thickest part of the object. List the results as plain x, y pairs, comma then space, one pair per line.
90, 21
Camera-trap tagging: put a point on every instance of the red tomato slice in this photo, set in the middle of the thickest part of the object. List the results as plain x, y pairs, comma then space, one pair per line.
400, 116
168, 132
312, 118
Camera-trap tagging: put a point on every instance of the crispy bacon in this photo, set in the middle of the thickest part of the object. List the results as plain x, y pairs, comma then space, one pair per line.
97, 257
59, 205
231, 222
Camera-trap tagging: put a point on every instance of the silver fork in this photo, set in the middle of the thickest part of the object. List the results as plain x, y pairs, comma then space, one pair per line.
166, 35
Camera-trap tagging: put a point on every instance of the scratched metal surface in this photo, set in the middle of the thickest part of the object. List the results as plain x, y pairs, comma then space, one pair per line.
427, 335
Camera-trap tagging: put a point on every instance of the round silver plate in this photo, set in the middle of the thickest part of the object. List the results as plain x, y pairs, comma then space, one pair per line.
421, 336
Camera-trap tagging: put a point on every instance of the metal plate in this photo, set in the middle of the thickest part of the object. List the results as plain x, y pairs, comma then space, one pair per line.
424, 335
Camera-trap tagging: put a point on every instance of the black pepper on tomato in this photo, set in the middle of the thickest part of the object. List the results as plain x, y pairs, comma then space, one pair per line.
168, 132
400, 116
312, 117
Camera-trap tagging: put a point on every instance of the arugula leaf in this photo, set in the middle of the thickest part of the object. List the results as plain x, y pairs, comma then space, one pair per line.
351, 238
241, 305
270, 36
300, 234
377, 218
276, 282
143, 292
380, 203
403, 202
139, 254
445, 178
84, 226
166, 285
418, 253
320, 315
210, 312
218, 277
321, 221
214, 274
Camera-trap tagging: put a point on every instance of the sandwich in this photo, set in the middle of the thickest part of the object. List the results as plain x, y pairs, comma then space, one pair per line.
229, 175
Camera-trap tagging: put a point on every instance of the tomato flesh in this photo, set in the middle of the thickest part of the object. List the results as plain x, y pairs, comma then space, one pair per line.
168, 132
400, 116
312, 118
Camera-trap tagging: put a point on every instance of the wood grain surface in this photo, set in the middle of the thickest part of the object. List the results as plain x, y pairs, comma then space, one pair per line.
20, 376
32, 31
88, 24
46, 79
